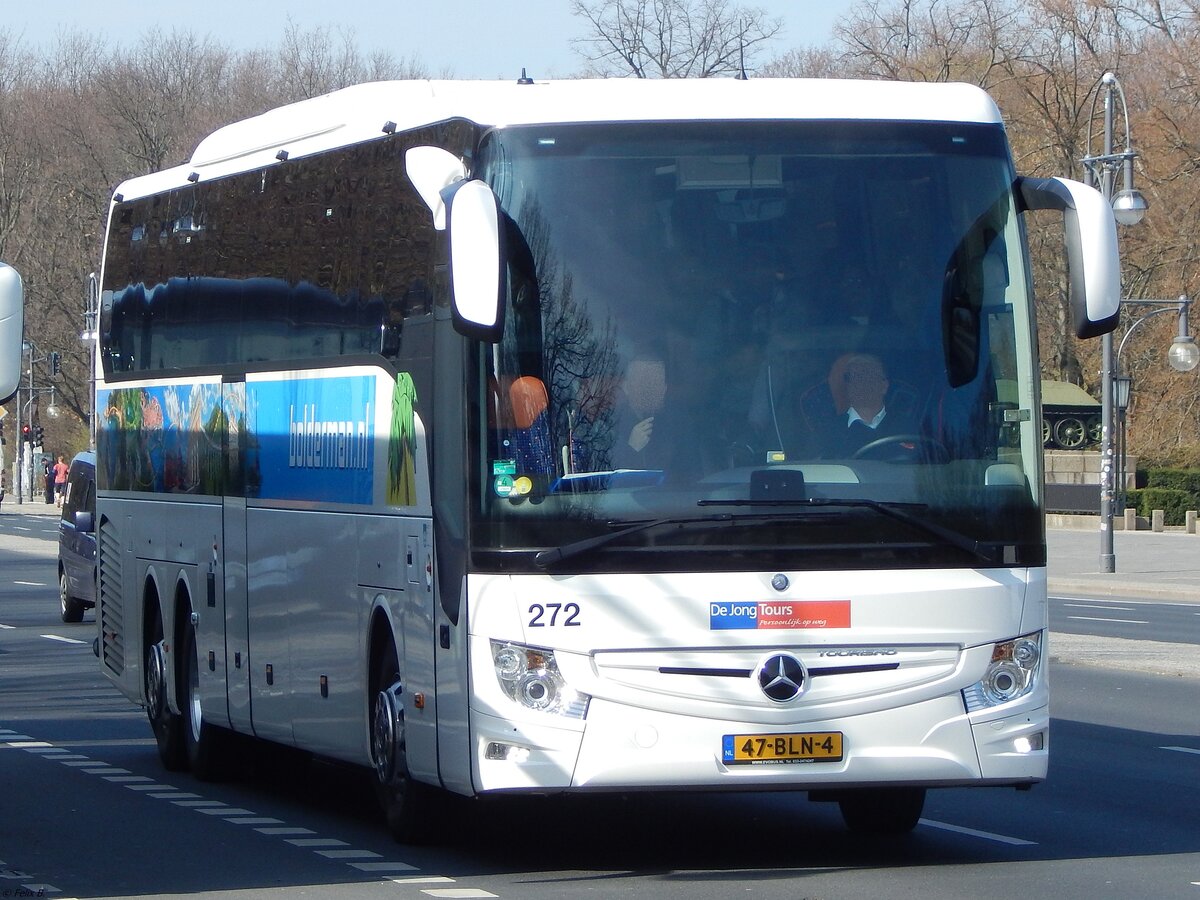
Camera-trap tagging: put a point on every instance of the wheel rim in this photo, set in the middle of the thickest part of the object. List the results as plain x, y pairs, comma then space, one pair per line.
387, 735
195, 717
62, 592
1070, 433
156, 685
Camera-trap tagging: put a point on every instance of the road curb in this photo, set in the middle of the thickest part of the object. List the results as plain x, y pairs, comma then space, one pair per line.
1100, 587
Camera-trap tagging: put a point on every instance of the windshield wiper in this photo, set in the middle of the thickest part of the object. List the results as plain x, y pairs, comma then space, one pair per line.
894, 510
543, 559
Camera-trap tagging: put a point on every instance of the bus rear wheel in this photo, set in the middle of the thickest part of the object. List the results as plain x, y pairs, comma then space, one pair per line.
406, 803
167, 726
882, 810
206, 745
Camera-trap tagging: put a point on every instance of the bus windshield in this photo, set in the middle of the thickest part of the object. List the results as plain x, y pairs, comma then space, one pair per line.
780, 344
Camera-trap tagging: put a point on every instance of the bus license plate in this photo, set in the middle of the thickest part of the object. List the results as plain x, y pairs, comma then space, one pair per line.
755, 749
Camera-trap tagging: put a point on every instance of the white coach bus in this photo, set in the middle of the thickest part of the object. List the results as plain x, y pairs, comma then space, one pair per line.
498, 437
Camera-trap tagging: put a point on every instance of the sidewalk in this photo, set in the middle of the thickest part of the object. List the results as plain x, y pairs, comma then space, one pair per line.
36, 507
1152, 565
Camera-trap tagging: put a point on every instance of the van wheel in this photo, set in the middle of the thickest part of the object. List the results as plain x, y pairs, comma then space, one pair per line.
206, 745
70, 607
406, 803
168, 727
882, 810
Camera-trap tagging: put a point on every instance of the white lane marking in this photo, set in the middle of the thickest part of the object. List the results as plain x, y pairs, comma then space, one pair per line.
32, 583
1182, 749
986, 835
264, 820
1105, 619
1098, 606
183, 799
424, 880
11, 627
288, 829
349, 854
458, 892
61, 639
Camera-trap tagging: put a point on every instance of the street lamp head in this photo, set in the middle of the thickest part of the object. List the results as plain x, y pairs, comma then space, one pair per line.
1184, 355
1129, 206
52, 410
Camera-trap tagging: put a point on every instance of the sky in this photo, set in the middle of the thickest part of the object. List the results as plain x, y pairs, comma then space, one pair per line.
471, 38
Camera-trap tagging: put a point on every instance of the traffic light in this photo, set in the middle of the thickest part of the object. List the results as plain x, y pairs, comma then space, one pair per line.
26, 433
39, 435
55, 364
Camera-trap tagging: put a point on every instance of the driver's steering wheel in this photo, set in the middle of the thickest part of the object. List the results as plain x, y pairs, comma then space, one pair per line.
909, 443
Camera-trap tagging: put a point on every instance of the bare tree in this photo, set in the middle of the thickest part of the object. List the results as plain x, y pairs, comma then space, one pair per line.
672, 38
320, 60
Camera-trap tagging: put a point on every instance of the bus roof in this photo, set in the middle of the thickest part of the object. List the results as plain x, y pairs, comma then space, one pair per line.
361, 112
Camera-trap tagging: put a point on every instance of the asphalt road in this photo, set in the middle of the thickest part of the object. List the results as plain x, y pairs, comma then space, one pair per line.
1138, 620
87, 811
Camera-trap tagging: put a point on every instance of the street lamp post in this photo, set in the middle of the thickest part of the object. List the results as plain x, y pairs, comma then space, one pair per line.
1129, 206
1183, 356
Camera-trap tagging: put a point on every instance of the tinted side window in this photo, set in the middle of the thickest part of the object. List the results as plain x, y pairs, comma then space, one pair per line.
80, 488
320, 257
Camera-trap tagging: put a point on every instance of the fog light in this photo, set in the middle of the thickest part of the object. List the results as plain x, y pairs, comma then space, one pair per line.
1029, 743
499, 752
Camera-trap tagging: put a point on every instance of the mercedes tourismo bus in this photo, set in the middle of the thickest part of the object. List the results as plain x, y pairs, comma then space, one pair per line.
495, 437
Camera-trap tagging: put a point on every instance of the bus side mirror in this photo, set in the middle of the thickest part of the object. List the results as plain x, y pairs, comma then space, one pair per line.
12, 327
477, 259
1090, 233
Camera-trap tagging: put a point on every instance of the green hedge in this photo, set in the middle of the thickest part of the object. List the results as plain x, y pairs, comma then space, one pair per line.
1174, 503
1175, 480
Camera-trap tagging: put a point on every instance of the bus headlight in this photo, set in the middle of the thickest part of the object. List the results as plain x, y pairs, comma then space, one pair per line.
529, 676
1012, 673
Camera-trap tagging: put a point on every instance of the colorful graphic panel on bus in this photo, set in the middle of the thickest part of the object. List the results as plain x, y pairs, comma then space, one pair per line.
317, 438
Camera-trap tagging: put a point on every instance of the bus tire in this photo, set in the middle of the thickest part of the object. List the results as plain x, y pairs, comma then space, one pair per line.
882, 811
205, 744
406, 803
166, 725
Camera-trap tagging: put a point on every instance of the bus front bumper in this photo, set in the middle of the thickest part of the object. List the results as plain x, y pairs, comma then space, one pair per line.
933, 743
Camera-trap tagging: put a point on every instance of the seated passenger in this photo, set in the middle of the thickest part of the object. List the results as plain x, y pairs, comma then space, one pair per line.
638, 443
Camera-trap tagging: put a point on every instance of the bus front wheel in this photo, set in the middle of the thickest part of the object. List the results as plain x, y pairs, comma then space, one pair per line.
405, 802
882, 810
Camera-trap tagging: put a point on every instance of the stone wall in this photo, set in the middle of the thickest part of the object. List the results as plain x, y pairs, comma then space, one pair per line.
1082, 467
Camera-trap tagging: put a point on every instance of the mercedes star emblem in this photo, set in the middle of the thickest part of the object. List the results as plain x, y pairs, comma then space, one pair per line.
781, 677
